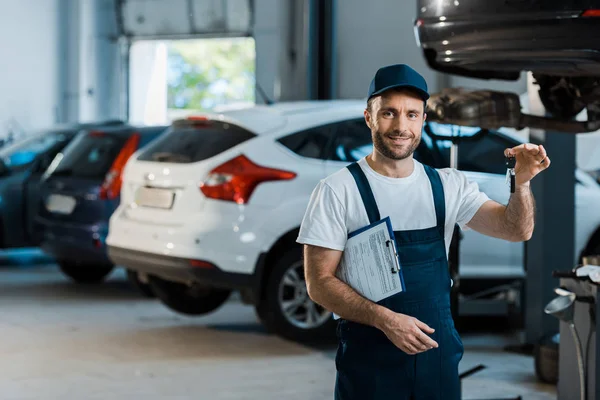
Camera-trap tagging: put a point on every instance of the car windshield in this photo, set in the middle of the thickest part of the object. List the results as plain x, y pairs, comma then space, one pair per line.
88, 156
189, 142
23, 153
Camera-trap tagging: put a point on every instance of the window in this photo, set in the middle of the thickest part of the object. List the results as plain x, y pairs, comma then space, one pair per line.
189, 142
89, 156
311, 143
24, 154
171, 79
480, 153
354, 141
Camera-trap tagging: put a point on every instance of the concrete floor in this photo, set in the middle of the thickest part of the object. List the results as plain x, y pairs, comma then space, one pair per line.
63, 341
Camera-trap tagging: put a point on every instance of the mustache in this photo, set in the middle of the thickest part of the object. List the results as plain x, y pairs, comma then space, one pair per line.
398, 134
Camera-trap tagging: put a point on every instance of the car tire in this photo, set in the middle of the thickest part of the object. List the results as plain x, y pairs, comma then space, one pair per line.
143, 288
188, 300
305, 321
85, 273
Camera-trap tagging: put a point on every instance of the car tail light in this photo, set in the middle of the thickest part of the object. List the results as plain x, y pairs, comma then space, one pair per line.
201, 264
111, 187
199, 121
237, 178
591, 13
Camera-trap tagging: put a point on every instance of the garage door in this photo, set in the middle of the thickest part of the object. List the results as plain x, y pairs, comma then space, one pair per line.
158, 19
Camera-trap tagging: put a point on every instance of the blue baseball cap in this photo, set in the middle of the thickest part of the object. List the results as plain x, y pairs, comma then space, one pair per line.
396, 76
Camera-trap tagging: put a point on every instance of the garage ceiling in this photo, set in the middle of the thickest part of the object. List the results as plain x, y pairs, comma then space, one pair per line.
162, 19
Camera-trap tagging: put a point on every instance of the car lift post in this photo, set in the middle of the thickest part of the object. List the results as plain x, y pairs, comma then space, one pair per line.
454, 251
552, 246
453, 264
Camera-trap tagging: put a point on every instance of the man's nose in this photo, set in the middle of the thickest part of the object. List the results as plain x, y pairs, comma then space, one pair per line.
401, 123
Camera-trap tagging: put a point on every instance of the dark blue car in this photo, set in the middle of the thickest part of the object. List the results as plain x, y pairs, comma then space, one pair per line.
22, 164
80, 191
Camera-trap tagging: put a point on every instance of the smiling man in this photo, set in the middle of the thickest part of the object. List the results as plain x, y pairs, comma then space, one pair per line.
405, 346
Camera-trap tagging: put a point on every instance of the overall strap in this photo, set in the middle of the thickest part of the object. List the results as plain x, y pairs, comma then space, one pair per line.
365, 192
438, 196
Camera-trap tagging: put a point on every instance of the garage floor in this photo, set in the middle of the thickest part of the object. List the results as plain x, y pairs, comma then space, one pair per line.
59, 340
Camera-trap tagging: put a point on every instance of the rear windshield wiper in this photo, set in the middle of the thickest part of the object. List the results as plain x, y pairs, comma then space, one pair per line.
165, 156
62, 172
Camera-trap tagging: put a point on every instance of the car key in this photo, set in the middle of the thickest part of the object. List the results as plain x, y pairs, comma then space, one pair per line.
510, 172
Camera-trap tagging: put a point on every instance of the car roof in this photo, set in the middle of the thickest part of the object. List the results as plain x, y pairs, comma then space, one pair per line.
263, 119
74, 127
129, 129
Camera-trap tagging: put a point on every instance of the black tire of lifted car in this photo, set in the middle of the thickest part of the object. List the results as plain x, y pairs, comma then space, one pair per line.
85, 273
143, 288
269, 310
188, 300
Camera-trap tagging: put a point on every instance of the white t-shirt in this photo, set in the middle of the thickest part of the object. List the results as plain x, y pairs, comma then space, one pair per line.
336, 208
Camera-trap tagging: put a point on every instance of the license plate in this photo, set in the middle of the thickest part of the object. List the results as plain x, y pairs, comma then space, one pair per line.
57, 203
155, 198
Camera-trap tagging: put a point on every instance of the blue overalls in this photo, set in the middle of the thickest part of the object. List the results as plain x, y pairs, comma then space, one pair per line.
369, 366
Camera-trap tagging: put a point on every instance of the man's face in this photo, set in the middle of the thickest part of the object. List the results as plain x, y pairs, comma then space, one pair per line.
396, 120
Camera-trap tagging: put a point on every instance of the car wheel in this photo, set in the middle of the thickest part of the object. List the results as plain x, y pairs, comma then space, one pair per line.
189, 300
85, 273
143, 288
287, 310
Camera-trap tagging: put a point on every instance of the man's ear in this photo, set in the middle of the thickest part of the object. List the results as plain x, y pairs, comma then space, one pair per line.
368, 118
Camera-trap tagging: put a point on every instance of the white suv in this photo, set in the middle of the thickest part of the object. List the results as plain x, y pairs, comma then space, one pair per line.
215, 203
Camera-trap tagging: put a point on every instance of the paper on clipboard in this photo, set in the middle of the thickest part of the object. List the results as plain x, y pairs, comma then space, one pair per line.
370, 263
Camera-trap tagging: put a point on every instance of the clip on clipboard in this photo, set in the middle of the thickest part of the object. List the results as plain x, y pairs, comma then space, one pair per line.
391, 245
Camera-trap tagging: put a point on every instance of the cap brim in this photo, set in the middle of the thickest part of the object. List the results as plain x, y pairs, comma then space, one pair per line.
424, 95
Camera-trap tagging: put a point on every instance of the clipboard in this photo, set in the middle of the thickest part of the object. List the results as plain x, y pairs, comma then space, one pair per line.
370, 262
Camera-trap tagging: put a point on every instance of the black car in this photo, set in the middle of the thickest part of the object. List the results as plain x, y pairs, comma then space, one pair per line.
558, 40
79, 193
21, 167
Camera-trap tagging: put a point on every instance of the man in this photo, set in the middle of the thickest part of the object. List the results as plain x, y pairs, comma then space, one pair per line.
405, 346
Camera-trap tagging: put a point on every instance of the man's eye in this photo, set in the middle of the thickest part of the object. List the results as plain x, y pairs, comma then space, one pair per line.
412, 115
388, 114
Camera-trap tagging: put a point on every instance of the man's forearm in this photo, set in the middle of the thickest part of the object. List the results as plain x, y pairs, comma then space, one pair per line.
336, 296
519, 215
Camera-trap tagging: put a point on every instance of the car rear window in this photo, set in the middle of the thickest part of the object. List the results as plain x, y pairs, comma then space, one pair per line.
192, 142
89, 155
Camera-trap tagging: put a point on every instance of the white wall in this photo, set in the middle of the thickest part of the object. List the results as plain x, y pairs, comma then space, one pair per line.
373, 34
29, 84
271, 32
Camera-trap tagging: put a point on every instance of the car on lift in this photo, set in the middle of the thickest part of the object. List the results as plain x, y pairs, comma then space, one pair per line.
497, 39
79, 192
215, 205
22, 164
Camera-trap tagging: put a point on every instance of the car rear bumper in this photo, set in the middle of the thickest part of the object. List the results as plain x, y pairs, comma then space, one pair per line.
65, 241
499, 47
180, 269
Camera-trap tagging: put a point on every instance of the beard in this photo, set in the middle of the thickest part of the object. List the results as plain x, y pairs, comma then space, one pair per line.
395, 152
